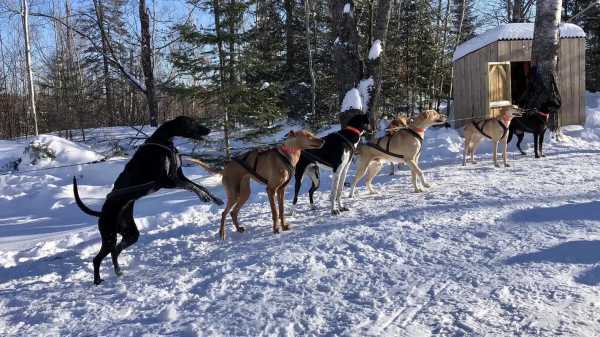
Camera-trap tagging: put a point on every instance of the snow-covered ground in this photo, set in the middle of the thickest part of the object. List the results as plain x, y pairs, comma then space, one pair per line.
483, 252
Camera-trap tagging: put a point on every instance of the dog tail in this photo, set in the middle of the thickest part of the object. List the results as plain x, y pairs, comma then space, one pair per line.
206, 166
80, 203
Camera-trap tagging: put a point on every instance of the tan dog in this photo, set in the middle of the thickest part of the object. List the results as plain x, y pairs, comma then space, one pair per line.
397, 123
495, 129
404, 145
273, 167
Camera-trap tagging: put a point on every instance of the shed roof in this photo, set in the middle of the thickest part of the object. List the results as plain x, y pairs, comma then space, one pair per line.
511, 31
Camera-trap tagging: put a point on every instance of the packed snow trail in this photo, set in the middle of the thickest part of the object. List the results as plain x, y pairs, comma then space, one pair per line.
483, 252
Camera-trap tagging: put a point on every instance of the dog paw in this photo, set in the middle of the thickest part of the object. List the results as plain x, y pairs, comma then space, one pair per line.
118, 272
506, 165
241, 229
98, 281
275, 230
344, 209
335, 212
286, 227
426, 185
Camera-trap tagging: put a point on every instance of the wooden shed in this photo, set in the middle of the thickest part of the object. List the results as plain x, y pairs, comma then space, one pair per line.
490, 71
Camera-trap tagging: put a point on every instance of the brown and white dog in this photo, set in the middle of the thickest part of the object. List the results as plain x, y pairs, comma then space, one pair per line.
405, 145
495, 129
273, 167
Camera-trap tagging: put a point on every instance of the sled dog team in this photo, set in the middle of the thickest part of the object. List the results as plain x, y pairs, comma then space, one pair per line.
157, 165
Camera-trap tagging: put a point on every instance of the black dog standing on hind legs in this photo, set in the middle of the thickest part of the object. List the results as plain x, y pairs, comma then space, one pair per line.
336, 155
154, 165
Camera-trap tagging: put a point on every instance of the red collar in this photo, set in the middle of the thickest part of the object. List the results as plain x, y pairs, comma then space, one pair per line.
419, 130
543, 114
289, 150
353, 129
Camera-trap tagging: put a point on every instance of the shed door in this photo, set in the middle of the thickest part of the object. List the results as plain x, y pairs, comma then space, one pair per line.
499, 85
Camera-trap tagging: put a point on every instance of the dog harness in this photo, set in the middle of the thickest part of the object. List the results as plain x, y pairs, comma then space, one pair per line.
346, 140
174, 164
377, 145
480, 128
252, 169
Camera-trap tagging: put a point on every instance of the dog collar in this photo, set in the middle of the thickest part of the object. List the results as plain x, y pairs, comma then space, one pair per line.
355, 130
420, 131
543, 114
289, 149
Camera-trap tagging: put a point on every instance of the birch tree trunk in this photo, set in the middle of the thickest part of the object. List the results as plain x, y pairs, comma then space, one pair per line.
147, 66
25, 19
313, 84
542, 88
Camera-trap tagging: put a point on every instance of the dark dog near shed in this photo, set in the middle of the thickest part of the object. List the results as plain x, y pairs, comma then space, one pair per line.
336, 155
533, 121
154, 165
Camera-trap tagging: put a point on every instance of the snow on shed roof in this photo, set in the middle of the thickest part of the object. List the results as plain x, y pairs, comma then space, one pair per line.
511, 31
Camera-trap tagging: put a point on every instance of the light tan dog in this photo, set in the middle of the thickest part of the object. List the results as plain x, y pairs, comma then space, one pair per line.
273, 167
404, 145
397, 123
495, 129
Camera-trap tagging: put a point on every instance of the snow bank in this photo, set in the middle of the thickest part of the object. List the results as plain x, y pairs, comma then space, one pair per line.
352, 100
592, 118
365, 87
512, 31
347, 8
376, 50
48, 150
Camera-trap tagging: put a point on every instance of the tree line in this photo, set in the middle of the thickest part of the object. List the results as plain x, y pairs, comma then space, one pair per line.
67, 65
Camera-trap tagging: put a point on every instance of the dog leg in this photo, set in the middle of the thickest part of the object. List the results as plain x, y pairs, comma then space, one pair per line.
520, 137
313, 173
232, 196
472, 147
414, 172
243, 196
271, 193
495, 152
360, 172
202, 193
342, 180
372, 172
280, 203
109, 241
334, 190
130, 235
541, 144
535, 144
466, 151
297, 185
505, 153
392, 168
